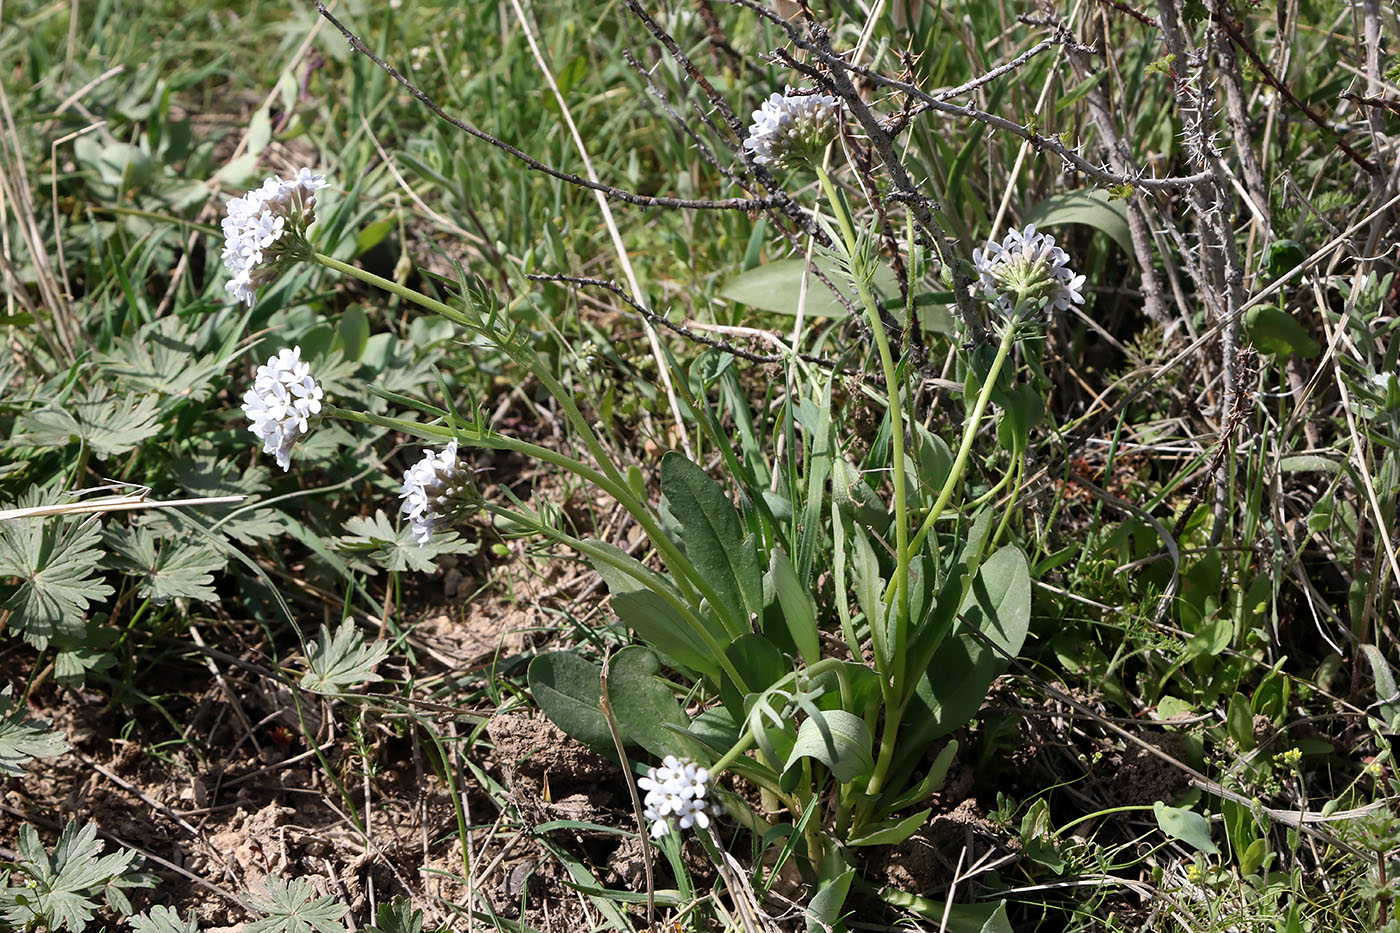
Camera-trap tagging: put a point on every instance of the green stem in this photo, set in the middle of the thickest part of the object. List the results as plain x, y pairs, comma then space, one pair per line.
1008, 338
687, 576
1010, 505
896, 409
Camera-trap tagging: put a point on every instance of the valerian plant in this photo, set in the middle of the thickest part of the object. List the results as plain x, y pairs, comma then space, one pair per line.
827, 703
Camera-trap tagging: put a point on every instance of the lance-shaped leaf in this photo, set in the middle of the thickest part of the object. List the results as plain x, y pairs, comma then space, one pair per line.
713, 535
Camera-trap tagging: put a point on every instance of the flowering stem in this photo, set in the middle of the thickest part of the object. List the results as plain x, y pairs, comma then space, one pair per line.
685, 572
1008, 338
896, 409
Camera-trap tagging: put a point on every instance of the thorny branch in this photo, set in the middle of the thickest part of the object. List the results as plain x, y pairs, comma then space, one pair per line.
1233, 31
931, 102
839, 82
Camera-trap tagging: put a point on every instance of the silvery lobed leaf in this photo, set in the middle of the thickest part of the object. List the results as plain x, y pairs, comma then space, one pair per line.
395, 548
52, 561
342, 661
22, 738
167, 568
161, 919
293, 907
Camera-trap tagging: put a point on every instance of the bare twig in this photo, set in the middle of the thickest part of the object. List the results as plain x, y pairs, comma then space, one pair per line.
679, 329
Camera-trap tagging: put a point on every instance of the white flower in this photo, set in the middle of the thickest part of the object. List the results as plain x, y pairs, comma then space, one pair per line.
283, 404
792, 127
1028, 265
266, 229
433, 489
676, 796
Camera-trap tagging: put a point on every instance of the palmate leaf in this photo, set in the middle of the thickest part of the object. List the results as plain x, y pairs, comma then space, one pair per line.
395, 549
52, 561
293, 907
167, 568
109, 425
397, 916
205, 473
162, 357
162, 919
62, 889
341, 661
21, 738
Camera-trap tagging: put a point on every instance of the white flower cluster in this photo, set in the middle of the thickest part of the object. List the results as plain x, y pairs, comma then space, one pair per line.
433, 489
1028, 265
267, 226
676, 796
283, 403
792, 127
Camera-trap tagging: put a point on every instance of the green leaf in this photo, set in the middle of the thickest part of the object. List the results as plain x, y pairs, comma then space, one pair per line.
1080, 89
162, 919
567, 688
294, 908
395, 549
715, 729
259, 132
1186, 825
998, 922
1252, 859
1089, 207
108, 425
354, 333
824, 909
644, 706
54, 561
168, 570
659, 624
999, 606
396, 916
22, 738
890, 832
839, 740
798, 611
1281, 257
1239, 721
932, 781
1214, 637
336, 663
777, 286
759, 662
372, 235
1276, 332
64, 886
1387, 695
714, 540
